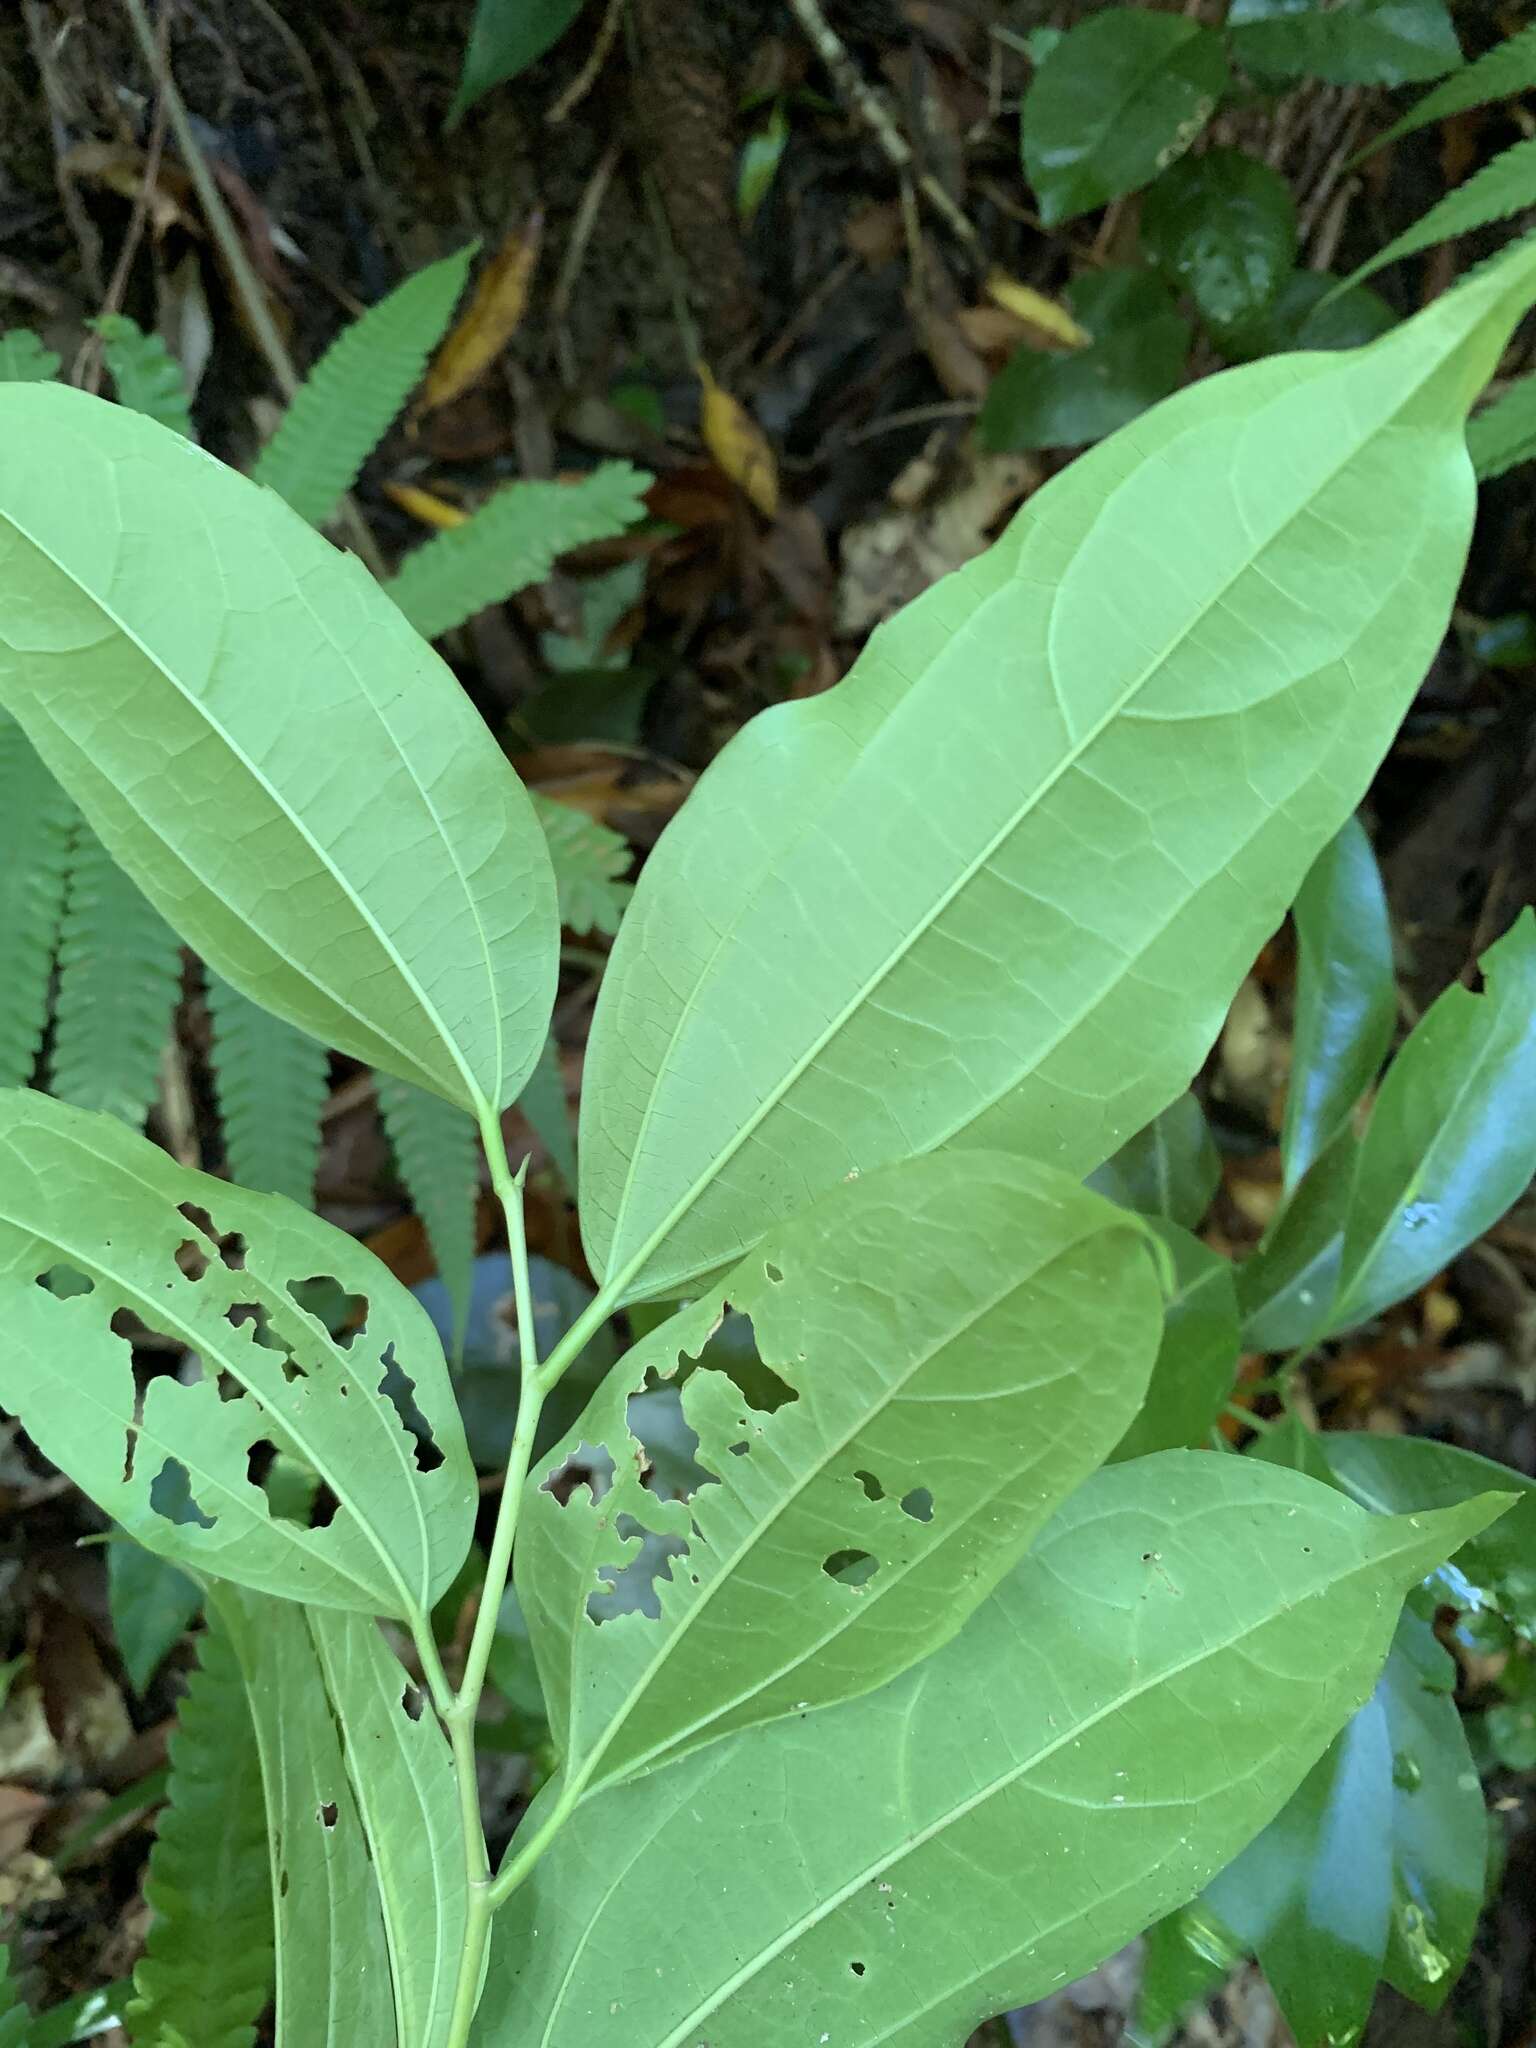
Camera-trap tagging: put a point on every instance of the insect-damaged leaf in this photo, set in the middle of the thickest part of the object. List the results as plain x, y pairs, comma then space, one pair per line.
998, 887
103, 1236
292, 777
1131, 1704
952, 1345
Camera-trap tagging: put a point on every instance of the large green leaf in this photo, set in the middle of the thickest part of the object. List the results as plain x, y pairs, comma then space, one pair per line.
1116, 100
1130, 1705
1168, 686
1224, 225
82, 1199
207, 1968
1348, 42
1375, 1866
334, 1986
1346, 997
1197, 1358
294, 780
952, 1345
401, 1776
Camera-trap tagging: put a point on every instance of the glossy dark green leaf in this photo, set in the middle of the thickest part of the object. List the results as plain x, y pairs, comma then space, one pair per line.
1035, 956
1170, 1169
951, 1345
1223, 225
505, 37
1307, 315
1346, 997
1375, 1866
1452, 1137
1146, 1689
152, 1604
1140, 341
1116, 100
1347, 42
222, 1272
1286, 1288
1197, 1357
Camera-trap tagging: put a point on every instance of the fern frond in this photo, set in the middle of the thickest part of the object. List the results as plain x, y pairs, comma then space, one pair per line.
37, 819
24, 359
1504, 433
434, 1143
1509, 67
208, 1965
148, 377
514, 539
271, 1080
119, 978
588, 860
346, 404
1505, 186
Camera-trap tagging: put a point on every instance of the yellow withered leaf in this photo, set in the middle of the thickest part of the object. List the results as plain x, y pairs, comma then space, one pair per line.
739, 445
426, 506
489, 321
1036, 310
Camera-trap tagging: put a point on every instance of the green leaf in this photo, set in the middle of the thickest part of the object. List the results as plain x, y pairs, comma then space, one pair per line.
1495, 1569
436, 1147
1346, 42
1375, 1867
207, 1969
1170, 1169
1285, 1288
148, 377
588, 859
1346, 997
896, 1319
1037, 954
1509, 67
515, 539
1504, 433
39, 820
333, 1957
1224, 226
1139, 1696
543, 1103
372, 1414
152, 1605
1115, 101
1197, 1358
1140, 341
119, 983
402, 1779
505, 37
761, 155
302, 789
24, 359
13, 2013
346, 405
1314, 310
1452, 1138
1501, 188
272, 1081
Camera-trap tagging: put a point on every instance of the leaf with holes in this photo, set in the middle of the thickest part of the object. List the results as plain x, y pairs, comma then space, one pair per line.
334, 1985
1020, 859
946, 1349
300, 786
1131, 1704
135, 1242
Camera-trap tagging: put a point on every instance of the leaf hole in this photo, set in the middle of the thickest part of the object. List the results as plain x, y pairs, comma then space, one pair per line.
918, 1504
282, 1884
633, 1588
400, 1391
323, 1512
66, 1282
739, 1450
857, 1969
757, 1383
588, 1465
199, 1219
343, 1316
412, 1703
851, 1567
773, 1272
191, 1260
873, 1490
327, 1814
171, 1497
